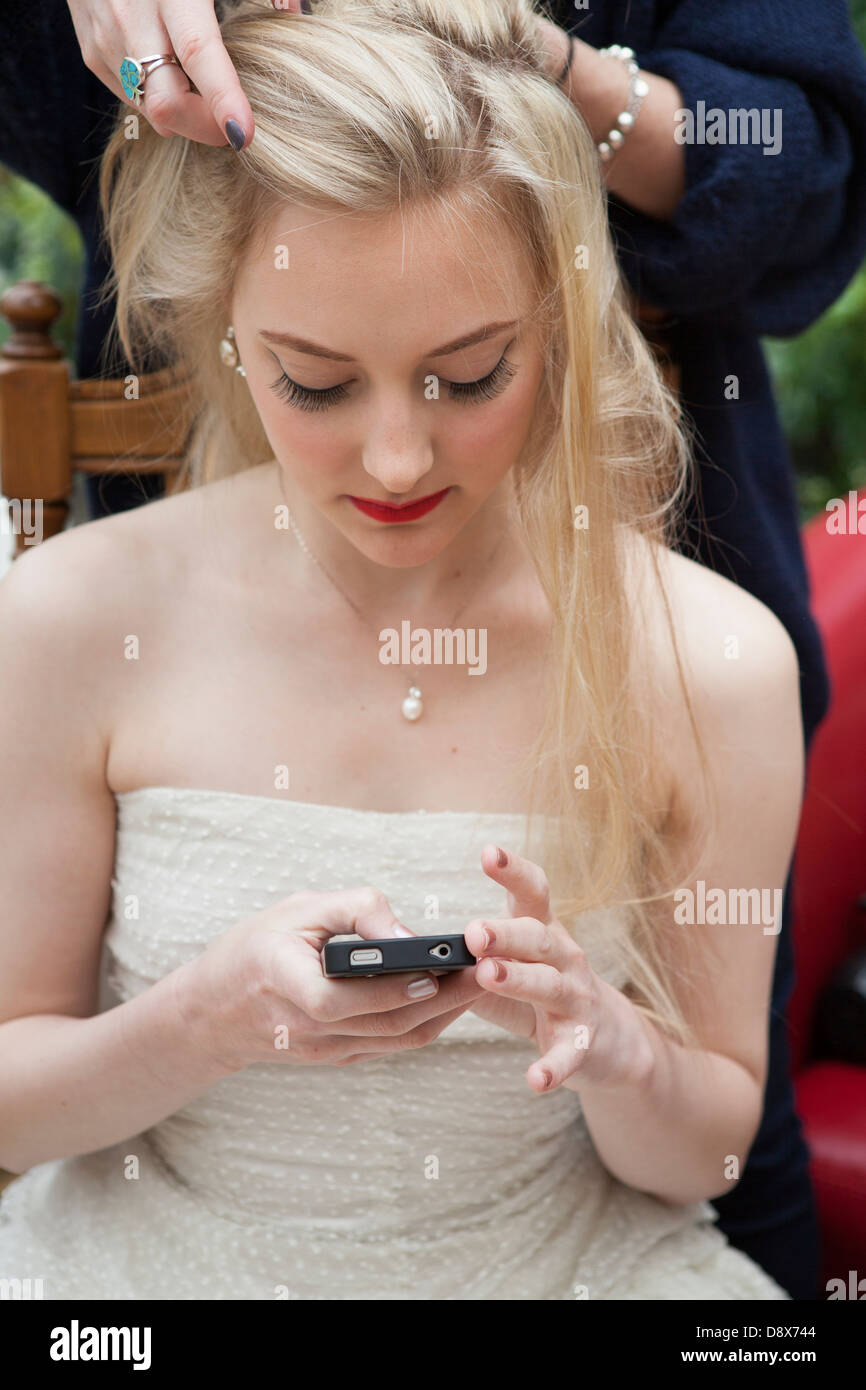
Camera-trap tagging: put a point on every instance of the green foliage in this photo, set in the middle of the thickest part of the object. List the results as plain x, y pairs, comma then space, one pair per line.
819, 384
38, 241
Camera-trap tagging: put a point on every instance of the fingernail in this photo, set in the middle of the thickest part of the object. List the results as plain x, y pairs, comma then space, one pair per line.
548, 1078
421, 986
235, 133
402, 931
501, 972
501, 857
489, 938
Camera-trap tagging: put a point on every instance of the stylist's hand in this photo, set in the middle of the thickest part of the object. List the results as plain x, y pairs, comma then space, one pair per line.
110, 30
540, 985
258, 992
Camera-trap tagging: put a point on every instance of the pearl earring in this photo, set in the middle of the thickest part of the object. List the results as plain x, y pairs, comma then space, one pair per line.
229, 351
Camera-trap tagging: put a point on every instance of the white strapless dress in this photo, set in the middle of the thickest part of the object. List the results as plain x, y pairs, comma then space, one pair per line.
431, 1174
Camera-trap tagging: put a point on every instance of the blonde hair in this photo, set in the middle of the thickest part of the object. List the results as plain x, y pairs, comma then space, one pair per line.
373, 105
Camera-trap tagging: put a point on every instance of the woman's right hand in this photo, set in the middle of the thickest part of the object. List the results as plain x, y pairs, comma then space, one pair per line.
258, 992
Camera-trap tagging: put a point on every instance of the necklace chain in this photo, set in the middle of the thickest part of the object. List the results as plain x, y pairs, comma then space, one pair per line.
307, 551
413, 705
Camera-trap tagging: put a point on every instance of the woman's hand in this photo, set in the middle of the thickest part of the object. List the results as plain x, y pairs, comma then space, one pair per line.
587, 1032
258, 992
109, 30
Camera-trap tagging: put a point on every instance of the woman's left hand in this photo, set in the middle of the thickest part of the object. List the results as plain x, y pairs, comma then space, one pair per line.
542, 987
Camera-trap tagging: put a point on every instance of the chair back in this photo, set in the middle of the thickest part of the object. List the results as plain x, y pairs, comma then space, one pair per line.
53, 425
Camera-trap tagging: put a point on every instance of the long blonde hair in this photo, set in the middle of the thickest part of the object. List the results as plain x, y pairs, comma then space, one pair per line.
371, 105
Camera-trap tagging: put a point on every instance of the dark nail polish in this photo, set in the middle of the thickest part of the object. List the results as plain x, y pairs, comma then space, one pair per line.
501, 857
235, 133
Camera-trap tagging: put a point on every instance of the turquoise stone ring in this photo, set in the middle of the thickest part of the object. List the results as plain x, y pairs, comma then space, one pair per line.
134, 71
130, 79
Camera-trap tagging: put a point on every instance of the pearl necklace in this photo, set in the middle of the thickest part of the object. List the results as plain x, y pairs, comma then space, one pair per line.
412, 706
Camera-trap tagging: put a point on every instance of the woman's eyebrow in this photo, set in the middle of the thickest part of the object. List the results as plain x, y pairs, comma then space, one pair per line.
479, 335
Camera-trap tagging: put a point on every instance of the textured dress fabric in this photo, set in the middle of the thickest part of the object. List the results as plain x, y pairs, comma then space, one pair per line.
434, 1173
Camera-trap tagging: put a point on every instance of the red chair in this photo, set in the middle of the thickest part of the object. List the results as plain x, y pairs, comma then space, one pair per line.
830, 882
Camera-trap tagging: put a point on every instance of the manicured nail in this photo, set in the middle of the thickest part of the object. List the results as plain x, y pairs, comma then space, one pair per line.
548, 1078
489, 938
501, 857
235, 133
501, 972
402, 931
420, 987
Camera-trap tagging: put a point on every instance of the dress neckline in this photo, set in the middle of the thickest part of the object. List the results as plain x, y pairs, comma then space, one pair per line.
311, 807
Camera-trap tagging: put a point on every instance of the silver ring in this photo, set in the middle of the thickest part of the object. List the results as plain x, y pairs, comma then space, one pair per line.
135, 71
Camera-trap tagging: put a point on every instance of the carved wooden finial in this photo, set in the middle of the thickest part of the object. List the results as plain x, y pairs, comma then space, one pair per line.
31, 308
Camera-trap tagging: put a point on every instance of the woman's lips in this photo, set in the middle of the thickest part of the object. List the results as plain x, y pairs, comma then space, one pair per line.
381, 511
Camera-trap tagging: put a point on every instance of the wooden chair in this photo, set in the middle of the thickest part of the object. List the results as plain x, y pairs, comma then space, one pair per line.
53, 425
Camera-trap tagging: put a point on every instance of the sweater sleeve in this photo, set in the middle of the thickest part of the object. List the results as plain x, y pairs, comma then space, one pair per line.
769, 238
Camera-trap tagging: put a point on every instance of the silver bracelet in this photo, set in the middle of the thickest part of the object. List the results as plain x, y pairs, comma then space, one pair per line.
638, 89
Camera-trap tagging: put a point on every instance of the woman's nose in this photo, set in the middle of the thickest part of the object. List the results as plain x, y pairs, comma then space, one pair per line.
398, 451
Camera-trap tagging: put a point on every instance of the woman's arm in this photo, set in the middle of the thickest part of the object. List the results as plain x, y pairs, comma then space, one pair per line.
648, 171
780, 233
675, 1131
673, 1122
70, 1083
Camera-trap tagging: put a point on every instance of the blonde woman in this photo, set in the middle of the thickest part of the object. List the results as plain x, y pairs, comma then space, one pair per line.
427, 428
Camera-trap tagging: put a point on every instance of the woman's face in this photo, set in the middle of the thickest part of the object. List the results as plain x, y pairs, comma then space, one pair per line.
391, 358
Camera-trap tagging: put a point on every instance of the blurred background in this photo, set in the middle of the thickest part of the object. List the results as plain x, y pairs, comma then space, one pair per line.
818, 376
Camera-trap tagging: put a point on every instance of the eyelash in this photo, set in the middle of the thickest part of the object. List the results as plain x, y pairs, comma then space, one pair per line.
304, 398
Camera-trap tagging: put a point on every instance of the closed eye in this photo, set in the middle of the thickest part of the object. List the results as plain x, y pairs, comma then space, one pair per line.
310, 398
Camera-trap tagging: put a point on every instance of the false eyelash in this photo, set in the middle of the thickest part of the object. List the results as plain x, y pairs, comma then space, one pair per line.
487, 387
305, 397
308, 398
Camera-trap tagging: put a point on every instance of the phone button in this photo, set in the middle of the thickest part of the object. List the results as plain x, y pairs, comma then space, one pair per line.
370, 955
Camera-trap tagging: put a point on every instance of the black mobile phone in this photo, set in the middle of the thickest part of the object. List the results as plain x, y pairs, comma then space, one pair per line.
345, 956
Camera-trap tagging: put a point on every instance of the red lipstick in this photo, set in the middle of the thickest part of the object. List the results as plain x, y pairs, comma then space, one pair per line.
409, 511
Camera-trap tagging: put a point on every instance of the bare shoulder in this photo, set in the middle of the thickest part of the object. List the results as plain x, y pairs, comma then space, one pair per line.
731, 644
739, 666
87, 570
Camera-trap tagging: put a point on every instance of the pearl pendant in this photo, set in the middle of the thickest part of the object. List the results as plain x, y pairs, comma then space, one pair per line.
413, 706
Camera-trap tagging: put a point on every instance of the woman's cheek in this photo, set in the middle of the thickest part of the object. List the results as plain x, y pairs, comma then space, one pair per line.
495, 432
298, 437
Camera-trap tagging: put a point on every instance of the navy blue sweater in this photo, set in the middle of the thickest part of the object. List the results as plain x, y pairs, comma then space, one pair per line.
759, 244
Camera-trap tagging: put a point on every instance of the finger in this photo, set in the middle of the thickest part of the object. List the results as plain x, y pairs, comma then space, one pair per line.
342, 911
172, 108
382, 1005
518, 938
105, 61
197, 40
130, 40
524, 882
560, 1062
543, 986
372, 1047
